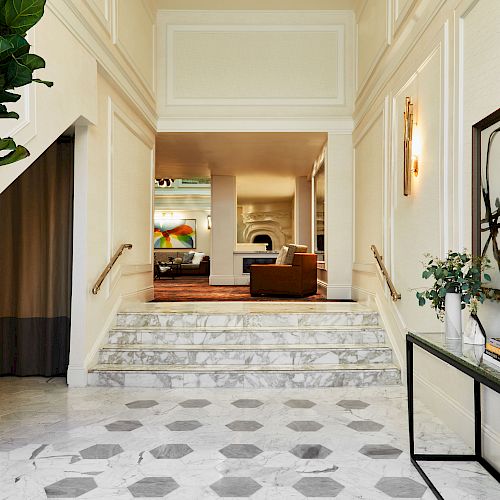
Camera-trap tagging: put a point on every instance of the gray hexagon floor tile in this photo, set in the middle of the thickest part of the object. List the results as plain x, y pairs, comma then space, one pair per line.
70, 487
244, 425
101, 451
171, 451
247, 403
365, 426
353, 404
153, 487
195, 403
184, 425
380, 451
300, 403
142, 403
401, 487
318, 487
237, 487
310, 451
240, 451
304, 426
123, 425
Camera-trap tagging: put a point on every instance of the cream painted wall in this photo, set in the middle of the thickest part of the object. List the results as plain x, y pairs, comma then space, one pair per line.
434, 53
104, 83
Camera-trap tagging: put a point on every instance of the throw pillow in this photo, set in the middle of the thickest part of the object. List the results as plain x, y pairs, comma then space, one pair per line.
281, 256
197, 258
187, 257
292, 250
178, 260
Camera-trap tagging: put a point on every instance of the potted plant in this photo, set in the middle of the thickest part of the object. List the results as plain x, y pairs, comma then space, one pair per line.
457, 285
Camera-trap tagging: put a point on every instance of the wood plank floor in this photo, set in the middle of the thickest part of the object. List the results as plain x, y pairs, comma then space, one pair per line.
197, 289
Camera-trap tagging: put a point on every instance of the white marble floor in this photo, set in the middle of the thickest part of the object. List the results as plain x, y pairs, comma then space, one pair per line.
190, 444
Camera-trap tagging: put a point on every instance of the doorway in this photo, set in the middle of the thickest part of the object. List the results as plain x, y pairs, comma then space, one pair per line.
36, 254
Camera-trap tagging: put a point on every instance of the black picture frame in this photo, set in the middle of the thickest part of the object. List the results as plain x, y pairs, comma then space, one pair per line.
485, 220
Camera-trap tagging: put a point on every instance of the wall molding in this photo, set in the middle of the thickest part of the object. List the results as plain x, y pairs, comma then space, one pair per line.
172, 100
335, 292
339, 125
79, 25
104, 18
151, 87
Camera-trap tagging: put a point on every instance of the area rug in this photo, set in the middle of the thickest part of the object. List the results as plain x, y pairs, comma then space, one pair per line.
197, 289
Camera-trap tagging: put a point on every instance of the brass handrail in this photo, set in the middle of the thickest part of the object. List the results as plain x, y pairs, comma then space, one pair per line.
380, 261
111, 263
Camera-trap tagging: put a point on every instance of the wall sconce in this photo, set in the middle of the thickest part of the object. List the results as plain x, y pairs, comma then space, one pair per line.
410, 159
209, 221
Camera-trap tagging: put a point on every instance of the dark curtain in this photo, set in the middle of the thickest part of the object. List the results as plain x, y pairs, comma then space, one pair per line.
36, 236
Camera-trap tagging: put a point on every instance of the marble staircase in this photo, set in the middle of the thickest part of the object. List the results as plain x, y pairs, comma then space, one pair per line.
249, 345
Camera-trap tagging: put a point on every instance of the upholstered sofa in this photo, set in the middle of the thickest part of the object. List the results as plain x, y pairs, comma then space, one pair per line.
201, 269
297, 279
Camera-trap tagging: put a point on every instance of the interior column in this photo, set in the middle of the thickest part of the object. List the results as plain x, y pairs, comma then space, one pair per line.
223, 229
303, 212
338, 216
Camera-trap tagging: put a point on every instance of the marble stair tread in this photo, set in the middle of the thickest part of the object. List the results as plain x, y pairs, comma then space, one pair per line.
278, 327
345, 367
242, 347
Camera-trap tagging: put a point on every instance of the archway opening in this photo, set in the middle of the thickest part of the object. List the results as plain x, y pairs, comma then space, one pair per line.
264, 238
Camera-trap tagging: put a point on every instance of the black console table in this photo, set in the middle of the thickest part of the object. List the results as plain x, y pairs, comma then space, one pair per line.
455, 354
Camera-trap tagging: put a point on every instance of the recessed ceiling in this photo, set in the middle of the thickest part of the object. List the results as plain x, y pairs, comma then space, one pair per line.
265, 164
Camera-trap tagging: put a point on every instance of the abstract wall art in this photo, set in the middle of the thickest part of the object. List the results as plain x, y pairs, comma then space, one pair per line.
486, 195
174, 233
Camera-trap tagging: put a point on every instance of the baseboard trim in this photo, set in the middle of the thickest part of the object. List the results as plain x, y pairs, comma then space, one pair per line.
144, 295
77, 376
335, 292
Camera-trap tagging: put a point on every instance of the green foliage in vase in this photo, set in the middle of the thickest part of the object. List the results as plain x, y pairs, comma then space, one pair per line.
16, 63
457, 273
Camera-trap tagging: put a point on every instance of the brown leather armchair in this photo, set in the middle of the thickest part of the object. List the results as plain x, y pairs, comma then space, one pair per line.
297, 280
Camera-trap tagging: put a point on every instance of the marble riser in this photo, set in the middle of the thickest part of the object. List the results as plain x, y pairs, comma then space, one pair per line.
247, 357
247, 320
309, 379
246, 337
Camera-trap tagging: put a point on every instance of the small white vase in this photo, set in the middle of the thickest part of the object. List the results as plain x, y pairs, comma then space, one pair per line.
473, 333
453, 316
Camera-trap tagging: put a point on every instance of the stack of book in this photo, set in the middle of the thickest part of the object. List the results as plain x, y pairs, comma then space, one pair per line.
492, 353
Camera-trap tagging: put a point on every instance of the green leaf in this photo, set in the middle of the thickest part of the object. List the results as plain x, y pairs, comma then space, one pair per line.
9, 96
7, 143
6, 47
18, 154
487, 277
19, 45
18, 74
32, 61
44, 82
421, 301
21, 15
9, 114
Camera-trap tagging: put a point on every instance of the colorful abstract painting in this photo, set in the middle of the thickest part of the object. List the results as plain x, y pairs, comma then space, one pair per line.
179, 233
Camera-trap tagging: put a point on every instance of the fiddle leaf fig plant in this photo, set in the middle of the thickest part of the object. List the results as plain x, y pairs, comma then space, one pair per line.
457, 273
16, 64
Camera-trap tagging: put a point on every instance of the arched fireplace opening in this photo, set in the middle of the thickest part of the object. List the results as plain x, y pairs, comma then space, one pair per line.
264, 238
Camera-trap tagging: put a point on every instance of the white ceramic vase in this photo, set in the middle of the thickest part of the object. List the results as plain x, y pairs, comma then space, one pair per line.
453, 316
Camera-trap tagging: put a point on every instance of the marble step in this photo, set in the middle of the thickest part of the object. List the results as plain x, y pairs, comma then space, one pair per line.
247, 319
297, 354
369, 334
245, 376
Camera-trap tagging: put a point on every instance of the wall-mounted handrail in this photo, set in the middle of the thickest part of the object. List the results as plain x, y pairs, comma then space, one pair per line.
380, 261
108, 268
